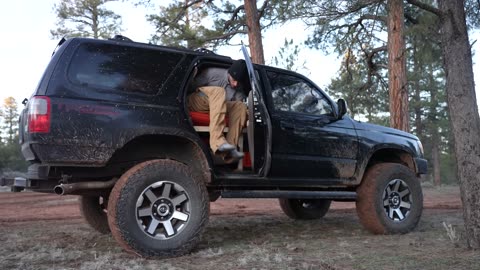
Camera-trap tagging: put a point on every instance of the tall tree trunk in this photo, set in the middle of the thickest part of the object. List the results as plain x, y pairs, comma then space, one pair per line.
436, 161
397, 71
433, 127
95, 23
417, 109
187, 24
464, 117
254, 31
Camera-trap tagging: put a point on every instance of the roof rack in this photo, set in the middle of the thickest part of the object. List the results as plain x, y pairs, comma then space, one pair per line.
120, 38
204, 50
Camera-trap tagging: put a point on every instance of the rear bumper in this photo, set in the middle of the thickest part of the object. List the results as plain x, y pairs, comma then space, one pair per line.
14, 182
36, 179
422, 165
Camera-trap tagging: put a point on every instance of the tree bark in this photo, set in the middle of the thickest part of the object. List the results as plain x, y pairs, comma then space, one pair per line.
464, 117
254, 31
95, 22
434, 129
436, 161
397, 71
417, 104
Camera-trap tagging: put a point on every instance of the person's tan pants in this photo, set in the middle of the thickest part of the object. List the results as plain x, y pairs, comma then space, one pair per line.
212, 101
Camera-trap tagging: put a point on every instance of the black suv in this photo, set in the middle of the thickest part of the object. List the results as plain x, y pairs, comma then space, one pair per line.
108, 121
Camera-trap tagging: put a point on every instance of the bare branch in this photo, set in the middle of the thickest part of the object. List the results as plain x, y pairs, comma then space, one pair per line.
184, 9
227, 35
187, 5
233, 17
410, 18
378, 49
373, 17
80, 21
261, 11
426, 7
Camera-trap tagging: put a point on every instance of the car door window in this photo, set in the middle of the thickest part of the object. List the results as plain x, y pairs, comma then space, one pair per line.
293, 94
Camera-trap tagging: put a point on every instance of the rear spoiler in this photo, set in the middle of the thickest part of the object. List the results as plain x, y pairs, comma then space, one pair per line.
59, 44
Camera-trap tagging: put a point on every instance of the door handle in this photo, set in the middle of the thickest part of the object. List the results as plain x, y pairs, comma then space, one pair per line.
322, 122
292, 126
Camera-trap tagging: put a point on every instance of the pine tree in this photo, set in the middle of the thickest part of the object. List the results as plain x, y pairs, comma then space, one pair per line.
288, 57
10, 155
366, 95
10, 119
428, 100
85, 18
180, 24
209, 24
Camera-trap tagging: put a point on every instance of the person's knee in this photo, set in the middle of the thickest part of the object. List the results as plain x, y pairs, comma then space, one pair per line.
238, 105
214, 92
242, 108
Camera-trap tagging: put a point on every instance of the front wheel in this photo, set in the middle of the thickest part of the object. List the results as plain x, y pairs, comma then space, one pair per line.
390, 199
158, 208
305, 208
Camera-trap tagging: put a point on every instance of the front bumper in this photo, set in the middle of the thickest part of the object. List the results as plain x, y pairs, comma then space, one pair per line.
422, 165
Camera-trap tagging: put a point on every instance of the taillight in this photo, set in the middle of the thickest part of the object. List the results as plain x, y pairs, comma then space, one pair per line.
39, 115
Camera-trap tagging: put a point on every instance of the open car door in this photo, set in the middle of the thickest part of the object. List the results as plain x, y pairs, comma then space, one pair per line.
257, 113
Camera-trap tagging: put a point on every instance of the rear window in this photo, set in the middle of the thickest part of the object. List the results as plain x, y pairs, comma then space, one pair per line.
120, 68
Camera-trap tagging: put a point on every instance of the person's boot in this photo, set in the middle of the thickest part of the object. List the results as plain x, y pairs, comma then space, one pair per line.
226, 147
233, 156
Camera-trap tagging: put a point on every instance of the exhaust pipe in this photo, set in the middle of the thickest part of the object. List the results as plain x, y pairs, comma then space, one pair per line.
76, 188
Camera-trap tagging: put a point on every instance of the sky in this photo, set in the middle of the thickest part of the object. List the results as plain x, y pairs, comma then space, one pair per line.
26, 47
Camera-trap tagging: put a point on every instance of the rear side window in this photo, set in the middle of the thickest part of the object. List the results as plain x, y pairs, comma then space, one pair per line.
120, 68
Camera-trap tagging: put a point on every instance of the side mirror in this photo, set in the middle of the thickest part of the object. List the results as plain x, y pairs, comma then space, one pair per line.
342, 108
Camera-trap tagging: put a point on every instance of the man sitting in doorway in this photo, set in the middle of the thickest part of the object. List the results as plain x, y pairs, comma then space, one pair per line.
220, 92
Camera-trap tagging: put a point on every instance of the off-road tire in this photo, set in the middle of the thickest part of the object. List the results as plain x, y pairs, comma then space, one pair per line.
305, 208
377, 210
125, 216
94, 211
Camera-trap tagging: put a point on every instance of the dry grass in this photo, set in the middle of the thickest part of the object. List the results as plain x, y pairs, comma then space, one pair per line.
248, 242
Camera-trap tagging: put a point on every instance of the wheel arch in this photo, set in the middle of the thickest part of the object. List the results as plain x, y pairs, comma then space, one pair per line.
166, 146
390, 155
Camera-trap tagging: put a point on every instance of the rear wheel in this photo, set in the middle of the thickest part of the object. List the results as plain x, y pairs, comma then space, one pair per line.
158, 208
94, 210
390, 199
305, 208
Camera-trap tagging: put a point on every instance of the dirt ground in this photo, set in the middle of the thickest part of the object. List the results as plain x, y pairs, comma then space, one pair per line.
42, 231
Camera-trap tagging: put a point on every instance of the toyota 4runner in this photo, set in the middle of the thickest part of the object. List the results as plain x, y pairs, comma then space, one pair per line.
109, 122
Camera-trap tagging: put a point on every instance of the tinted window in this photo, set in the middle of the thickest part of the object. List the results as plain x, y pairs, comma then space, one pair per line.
293, 94
114, 67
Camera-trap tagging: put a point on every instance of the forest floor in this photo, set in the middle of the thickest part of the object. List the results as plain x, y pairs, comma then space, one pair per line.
43, 231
